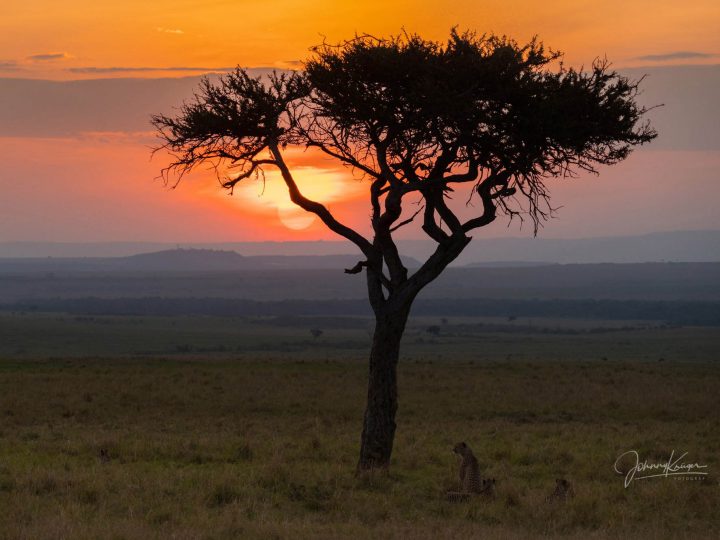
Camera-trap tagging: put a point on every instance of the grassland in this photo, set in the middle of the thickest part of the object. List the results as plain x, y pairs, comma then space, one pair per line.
258, 438
56, 335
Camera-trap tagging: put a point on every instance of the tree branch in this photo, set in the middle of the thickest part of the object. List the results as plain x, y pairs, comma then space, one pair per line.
349, 160
438, 198
393, 210
407, 221
430, 226
443, 255
488, 198
357, 268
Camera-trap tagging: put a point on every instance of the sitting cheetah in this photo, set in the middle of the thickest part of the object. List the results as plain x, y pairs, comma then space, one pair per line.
470, 479
563, 491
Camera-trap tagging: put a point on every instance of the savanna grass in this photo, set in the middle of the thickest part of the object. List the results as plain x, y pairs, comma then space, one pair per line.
221, 448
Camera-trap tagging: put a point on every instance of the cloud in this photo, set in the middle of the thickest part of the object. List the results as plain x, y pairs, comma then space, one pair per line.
169, 30
9, 65
49, 57
127, 69
675, 55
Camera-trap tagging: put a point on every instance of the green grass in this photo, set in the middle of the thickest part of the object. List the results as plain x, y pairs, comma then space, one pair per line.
243, 446
480, 339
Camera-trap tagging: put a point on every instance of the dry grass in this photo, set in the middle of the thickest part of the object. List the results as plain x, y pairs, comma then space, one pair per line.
266, 449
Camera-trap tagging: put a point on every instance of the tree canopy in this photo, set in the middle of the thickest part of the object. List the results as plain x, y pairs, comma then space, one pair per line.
418, 116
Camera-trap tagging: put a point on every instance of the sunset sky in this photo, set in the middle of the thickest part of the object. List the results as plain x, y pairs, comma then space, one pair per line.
75, 160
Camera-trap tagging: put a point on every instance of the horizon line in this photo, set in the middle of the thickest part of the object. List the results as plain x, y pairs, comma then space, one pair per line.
341, 241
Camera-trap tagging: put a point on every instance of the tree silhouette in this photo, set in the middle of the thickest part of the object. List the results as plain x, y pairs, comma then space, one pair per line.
416, 118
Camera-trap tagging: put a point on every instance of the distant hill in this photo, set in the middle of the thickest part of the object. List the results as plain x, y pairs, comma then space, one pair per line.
673, 246
180, 260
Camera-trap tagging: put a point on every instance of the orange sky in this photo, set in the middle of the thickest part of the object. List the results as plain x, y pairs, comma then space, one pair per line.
99, 186
48, 38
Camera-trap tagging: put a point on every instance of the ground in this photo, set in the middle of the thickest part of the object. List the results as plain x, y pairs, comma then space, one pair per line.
213, 440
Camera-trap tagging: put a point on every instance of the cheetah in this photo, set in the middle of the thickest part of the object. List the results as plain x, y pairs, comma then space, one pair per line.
471, 483
470, 480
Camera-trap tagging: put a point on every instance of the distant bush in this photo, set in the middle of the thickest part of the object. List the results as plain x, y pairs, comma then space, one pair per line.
316, 332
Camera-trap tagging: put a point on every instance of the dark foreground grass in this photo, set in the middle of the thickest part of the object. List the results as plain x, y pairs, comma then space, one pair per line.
203, 448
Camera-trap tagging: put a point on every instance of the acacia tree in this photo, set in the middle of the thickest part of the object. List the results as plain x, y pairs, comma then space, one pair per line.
415, 118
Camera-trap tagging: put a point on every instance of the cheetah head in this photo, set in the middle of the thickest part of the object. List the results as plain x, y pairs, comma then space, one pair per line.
460, 448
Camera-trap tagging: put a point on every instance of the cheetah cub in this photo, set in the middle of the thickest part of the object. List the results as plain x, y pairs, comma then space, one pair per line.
470, 480
563, 491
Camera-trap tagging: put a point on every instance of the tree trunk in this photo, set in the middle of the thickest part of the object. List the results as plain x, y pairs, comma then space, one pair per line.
379, 422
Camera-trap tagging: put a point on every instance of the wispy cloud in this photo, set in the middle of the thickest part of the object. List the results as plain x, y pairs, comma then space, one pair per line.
675, 55
9, 65
169, 30
49, 57
130, 69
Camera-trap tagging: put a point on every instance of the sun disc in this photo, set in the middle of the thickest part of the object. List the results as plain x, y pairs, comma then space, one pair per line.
295, 218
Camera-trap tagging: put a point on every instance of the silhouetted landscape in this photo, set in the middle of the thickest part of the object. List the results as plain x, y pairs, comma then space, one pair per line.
374, 286
297, 293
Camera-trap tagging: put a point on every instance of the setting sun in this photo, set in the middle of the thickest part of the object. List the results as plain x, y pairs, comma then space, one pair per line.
317, 178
